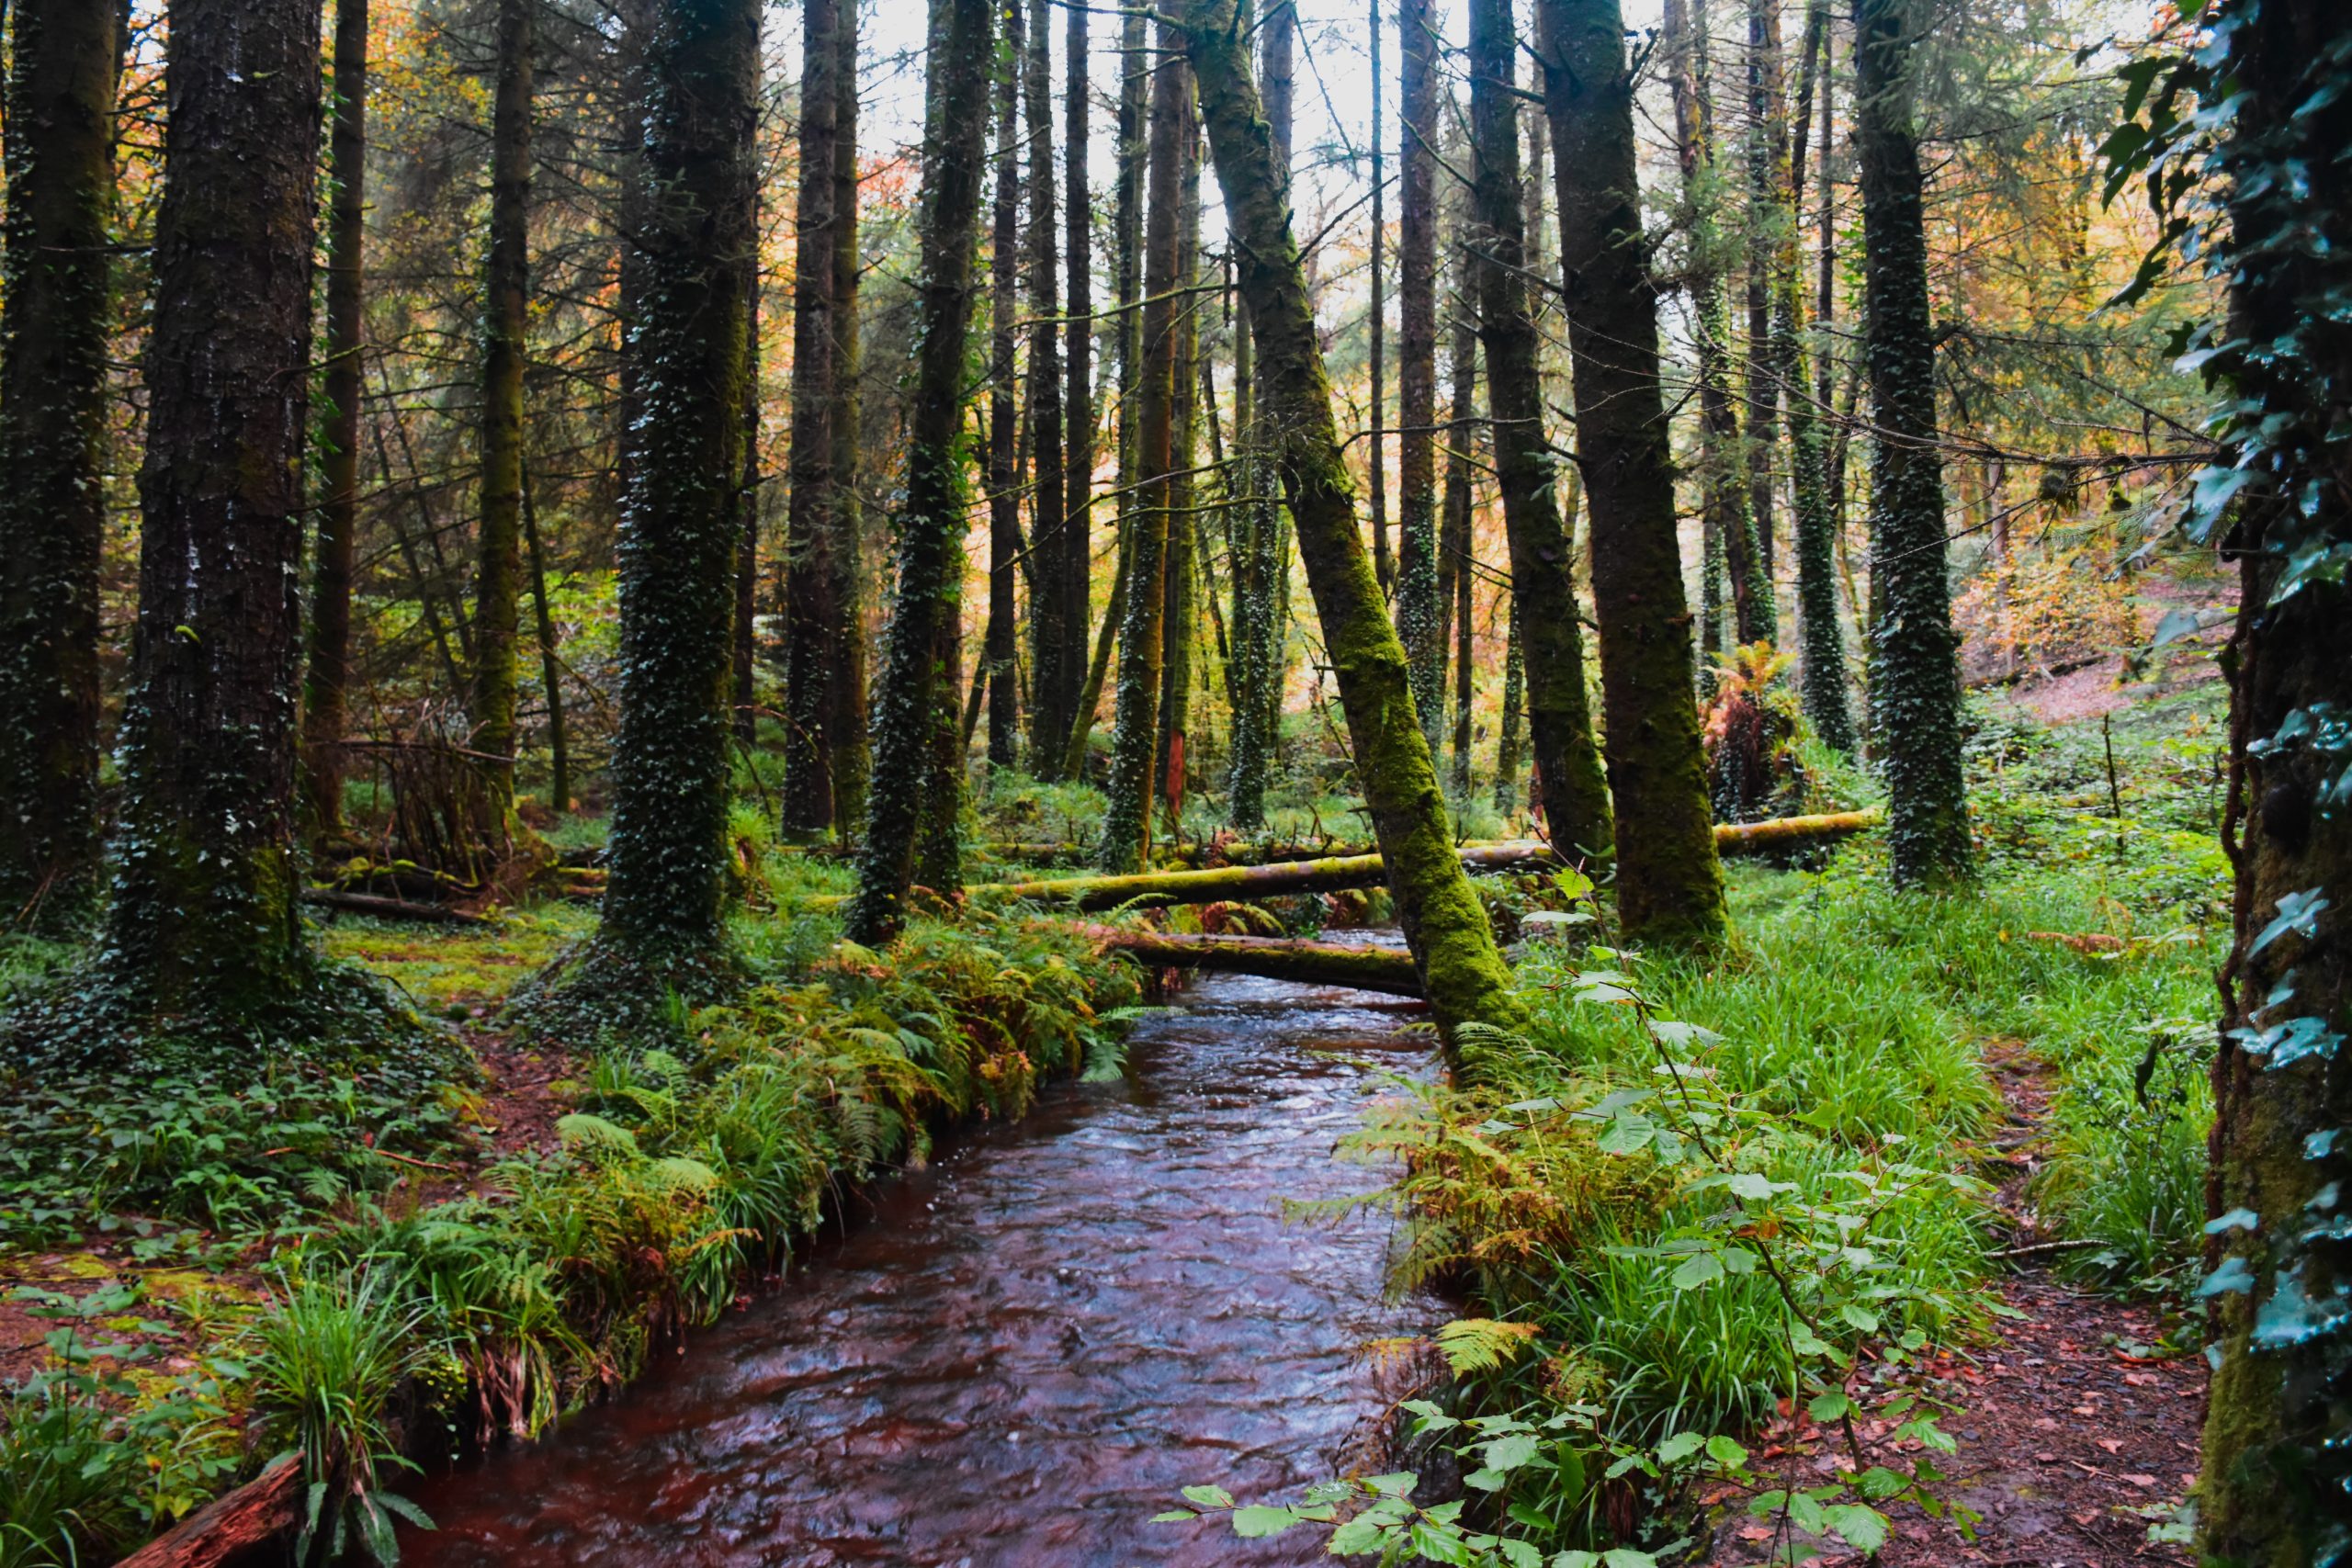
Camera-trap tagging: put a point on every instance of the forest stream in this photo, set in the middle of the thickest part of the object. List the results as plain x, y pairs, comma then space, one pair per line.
1019, 1354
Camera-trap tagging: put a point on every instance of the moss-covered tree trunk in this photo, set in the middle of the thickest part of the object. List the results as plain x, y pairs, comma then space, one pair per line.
204, 920
1001, 650
327, 714
931, 526
1051, 663
55, 319
2277, 1467
664, 899
1419, 620
813, 621
1669, 888
1443, 923
1915, 655
1575, 795
498, 577
1126, 823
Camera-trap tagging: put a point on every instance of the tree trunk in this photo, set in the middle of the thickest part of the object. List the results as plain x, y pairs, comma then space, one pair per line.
1050, 543
1078, 405
1442, 920
1126, 824
327, 714
1914, 678
846, 694
550, 665
663, 901
1507, 742
55, 310
930, 527
1575, 796
741, 683
1669, 888
1419, 621
1004, 473
1377, 463
205, 922
1456, 580
812, 618
2276, 1466
498, 579
1325, 964
1768, 184
1181, 625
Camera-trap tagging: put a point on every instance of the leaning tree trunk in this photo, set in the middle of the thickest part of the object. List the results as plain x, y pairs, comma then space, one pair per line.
812, 618
1670, 886
1914, 679
931, 525
1051, 690
1443, 923
1004, 498
2277, 1469
1126, 822
55, 319
326, 713
1419, 621
205, 922
1574, 794
498, 581
664, 899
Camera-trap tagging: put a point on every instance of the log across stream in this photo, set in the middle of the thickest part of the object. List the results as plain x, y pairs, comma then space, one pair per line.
1019, 1355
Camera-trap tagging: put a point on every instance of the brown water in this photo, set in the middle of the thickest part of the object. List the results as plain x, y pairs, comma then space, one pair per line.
1025, 1350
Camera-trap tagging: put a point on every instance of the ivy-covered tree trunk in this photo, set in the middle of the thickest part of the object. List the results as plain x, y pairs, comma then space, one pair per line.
1443, 923
931, 526
664, 899
813, 620
1004, 497
846, 698
1126, 821
2276, 1470
1575, 795
54, 311
1052, 692
1669, 885
1419, 621
1914, 656
498, 581
326, 714
204, 921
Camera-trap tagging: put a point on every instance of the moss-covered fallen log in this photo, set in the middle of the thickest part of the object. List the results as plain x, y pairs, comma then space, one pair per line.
1244, 884
1784, 832
1386, 969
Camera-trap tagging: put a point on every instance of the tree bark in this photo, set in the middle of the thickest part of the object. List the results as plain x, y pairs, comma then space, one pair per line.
1419, 620
663, 901
1768, 186
1050, 661
1078, 402
2275, 1467
54, 324
1004, 473
1669, 888
326, 713
1360, 968
1384, 566
550, 665
498, 579
1574, 794
1444, 925
1126, 824
1180, 625
204, 920
812, 619
930, 529
846, 701
1914, 678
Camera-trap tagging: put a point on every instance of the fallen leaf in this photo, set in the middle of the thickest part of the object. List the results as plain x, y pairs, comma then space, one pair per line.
1756, 1533
2112, 1445
2141, 1480
2045, 1459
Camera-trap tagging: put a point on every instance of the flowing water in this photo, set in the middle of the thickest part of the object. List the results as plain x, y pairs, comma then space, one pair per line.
1023, 1351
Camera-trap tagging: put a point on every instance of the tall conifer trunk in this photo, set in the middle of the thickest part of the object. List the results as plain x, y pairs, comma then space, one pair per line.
1670, 886
1077, 404
1575, 795
1383, 564
1050, 543
845, 670
1126, 823
1004, 498
812, 617
54, 311
205, 921
1181, 627
1457, 582
1419, 620
1463, 975
931, 526
1768, 188
1915, 662
498, 582
665, 897
326, 712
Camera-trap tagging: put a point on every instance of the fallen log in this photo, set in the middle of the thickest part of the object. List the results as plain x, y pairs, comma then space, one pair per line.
1384, 969
389, 908
232, 1523
1243, 884
1781, 832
